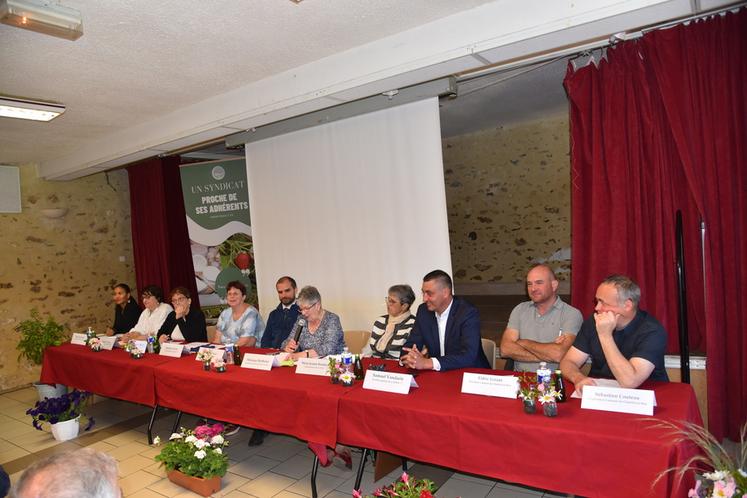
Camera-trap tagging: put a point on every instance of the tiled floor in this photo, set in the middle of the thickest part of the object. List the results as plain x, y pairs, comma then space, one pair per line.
280, 468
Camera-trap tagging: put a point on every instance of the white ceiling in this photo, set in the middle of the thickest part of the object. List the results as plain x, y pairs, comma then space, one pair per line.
150, 76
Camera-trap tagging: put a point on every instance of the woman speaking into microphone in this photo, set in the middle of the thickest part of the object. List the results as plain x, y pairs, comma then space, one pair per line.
321, 335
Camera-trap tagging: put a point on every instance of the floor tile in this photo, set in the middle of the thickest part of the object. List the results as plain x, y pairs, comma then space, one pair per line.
267, 485
506, 490
288, 494
145, 493
282, 451
464, 489
26, 395
473, 478
296, 466
253, 467
337, 494
237, 494
166, 487
229, 483
9, 451
128, 450
133, 464
137, 481
324, 484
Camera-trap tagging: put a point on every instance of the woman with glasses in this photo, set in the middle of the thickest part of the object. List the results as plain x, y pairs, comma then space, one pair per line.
240, 323
390, 331
152, 317
321, 335
184, 323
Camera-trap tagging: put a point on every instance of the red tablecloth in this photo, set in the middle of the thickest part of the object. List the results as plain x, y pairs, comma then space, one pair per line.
280, 400
584, 452
109, 373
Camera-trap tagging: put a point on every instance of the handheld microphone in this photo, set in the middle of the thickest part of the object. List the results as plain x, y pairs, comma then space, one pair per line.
297, 329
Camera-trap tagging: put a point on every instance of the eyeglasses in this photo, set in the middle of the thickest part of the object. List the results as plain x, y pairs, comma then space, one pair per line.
389, 300
178, 300
307, 308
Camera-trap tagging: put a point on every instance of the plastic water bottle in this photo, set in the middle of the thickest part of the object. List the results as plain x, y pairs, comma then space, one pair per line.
151, 340
347, 360
90, 334
544, 374
229, 354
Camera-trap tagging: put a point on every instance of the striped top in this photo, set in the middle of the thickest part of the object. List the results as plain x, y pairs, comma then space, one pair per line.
393, 348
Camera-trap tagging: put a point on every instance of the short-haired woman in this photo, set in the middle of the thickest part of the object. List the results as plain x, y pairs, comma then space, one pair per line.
240, 323
390, 331
153, 315
321, 335
184, 323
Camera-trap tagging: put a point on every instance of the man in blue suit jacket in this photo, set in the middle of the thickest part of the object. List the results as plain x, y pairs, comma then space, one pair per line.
446, 335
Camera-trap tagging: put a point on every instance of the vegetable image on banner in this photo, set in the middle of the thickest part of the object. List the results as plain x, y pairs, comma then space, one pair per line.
216, 200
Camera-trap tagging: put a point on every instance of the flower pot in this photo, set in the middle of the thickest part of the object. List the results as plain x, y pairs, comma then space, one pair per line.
50, 390
64, 431
199, 485
550, 409
530, 406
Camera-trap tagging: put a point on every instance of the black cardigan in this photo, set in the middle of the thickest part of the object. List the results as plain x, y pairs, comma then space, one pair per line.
125, 319
192, 326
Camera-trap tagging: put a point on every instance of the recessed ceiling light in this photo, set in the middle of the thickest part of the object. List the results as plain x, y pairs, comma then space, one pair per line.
29, 109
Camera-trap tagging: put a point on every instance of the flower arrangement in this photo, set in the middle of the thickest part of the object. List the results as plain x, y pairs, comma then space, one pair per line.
405, 487
197, 453
347, 378
729, 476
528, 386
336, 369
220, 366
66, 407
95, 344
206, 355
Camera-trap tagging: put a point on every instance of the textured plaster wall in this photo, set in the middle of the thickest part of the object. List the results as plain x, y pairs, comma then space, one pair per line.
508, 201
63, 267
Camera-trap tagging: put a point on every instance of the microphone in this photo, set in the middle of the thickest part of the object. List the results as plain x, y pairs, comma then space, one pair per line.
297, 329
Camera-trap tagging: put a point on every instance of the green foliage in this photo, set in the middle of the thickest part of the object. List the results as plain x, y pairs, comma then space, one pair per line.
36, 335
196, 453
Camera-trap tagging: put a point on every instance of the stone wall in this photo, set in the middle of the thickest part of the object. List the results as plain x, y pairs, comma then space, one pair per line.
63, 266
508, 201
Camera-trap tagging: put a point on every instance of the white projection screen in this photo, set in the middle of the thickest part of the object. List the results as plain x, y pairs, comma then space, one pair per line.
351, 207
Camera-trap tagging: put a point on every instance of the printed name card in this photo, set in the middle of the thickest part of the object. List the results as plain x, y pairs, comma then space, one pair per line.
618, 399
313, 366
388, 382
79, 339
108, 342
257, 361
141, 345
171, 349
502, 386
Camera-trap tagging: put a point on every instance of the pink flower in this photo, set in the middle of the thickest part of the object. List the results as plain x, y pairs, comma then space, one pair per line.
540, 387
693, 493
356, 493
405, 477
723, 489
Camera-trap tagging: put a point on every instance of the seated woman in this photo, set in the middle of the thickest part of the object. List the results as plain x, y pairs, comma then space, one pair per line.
390, 332
321, 335
240, 323
126, 310
184, 323
152, 317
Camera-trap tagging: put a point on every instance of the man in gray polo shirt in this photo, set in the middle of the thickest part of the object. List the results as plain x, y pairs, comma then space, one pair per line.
541, 329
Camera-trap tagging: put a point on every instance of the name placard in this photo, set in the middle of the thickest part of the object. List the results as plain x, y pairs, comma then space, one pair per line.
501, 386
171, 349
141, 345
387, 381
257, 361
107, 342
313, 366
618, 399
78, 339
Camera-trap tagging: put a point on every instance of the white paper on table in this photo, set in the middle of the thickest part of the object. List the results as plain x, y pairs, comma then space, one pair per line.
257, 361
389, 382
600, 383
171, 349
313, 366
108, 342
141, 345
619, 399
78, 339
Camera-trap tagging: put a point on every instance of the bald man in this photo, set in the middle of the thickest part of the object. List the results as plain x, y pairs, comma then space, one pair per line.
543, 328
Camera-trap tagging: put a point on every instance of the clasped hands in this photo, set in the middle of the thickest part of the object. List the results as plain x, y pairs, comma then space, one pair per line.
416, 359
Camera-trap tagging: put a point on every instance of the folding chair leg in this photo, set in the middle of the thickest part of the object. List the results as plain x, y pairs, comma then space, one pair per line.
361, 466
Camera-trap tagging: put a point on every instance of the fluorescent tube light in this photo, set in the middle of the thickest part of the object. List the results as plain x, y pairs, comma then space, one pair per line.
29, 109
42, 16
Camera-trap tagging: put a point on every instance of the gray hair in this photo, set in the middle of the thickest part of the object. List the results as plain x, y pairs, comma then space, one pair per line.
404, 293
309, 295
84, 473
626, 288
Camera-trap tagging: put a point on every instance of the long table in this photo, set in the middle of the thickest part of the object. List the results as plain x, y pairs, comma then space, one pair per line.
584, 452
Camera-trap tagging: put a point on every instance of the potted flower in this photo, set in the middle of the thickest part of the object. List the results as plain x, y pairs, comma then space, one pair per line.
195, 459
405, 487
548, 397
62, 413
528, 391
717, 472
36, 335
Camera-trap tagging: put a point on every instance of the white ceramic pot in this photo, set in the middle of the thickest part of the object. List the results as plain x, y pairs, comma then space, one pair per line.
64, 431
50, 390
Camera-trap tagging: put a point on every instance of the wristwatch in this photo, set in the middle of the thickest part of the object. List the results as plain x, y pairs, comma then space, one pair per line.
307, 354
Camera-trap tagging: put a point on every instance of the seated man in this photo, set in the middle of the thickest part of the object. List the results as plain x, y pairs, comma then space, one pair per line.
446, 334
624, 342
83, 473
541, 329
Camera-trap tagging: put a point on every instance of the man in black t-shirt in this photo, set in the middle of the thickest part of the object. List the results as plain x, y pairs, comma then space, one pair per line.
624, 342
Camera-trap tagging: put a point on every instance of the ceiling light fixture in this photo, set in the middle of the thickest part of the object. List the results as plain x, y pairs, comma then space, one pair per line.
29, 109
42, 16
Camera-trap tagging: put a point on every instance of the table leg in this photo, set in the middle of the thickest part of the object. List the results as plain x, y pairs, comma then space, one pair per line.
314, 470
361, 466
176, 422
150, 424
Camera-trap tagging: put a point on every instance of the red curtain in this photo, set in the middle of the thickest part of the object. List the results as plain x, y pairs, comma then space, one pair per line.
659, 126
159, 226
701, 71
